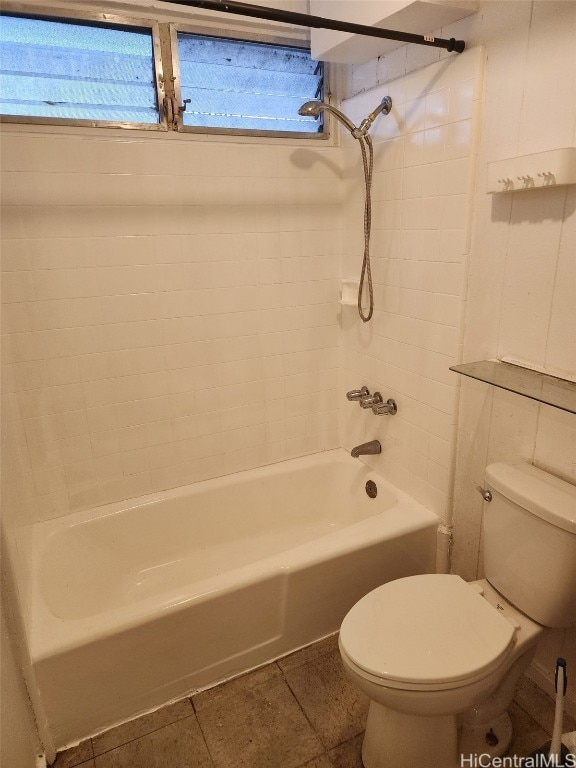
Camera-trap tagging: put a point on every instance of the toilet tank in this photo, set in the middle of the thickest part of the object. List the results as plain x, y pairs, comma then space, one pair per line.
529, 542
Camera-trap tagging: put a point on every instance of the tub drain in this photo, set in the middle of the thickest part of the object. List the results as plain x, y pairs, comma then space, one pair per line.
371, 489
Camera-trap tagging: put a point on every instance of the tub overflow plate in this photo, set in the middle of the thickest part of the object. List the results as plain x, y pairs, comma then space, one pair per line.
371, 489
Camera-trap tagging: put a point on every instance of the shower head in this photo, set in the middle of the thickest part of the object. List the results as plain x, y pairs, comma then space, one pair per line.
314, 108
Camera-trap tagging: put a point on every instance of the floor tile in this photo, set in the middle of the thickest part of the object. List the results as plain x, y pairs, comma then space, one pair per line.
134, 729
528, 735
74, 756
310, 653
349, 754
236, 686
262, 727
179, 745
540, 706
320, 762
266, 719
334, 706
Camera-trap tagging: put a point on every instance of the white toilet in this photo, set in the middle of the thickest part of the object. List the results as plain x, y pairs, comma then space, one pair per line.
440, 658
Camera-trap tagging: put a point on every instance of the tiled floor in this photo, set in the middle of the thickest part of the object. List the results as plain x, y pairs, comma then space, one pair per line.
298, 712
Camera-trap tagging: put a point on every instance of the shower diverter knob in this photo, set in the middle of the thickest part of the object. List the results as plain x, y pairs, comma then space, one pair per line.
370, 400
389, 408
357, 394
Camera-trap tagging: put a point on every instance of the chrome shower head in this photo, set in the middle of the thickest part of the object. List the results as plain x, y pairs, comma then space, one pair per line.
314, 108
311, 108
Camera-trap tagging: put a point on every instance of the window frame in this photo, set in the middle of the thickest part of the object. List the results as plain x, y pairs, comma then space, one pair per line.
195, 29
166, 72
36, 12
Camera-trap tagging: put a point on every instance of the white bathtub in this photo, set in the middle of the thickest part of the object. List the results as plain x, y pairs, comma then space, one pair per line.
128, 606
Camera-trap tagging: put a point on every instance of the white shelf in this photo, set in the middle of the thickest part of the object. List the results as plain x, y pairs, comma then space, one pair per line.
419, 17
537, 171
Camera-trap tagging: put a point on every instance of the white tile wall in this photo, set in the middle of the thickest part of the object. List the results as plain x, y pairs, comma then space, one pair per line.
169, 310
424, 165
521, 285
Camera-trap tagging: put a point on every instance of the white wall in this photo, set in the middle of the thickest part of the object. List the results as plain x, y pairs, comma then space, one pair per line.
169, 309
424, 170
18, 739
522, 281
522, 273
169, 303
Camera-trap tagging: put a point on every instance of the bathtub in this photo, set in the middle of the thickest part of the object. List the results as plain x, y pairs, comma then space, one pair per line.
131, 605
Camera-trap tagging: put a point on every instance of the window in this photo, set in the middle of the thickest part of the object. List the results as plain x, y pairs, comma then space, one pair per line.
241, 85
63, 69
89, 70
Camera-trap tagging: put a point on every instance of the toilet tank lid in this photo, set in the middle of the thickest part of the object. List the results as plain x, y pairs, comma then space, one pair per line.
537, 491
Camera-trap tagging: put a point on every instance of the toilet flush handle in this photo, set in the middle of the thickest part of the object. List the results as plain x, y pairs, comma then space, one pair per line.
486, 495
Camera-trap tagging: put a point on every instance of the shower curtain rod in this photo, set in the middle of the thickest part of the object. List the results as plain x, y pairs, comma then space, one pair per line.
318, 22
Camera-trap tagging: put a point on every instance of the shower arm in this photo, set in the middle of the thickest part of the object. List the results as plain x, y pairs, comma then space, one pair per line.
342, 117
319, 22
384, 106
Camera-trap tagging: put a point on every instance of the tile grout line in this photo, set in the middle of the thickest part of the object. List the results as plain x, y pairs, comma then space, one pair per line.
325, 748
129, 741
204, 740
282, 678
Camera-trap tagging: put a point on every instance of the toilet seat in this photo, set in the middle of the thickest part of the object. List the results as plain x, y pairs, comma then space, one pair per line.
443, 634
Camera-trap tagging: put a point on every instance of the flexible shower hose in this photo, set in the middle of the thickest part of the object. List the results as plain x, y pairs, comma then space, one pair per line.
368, 162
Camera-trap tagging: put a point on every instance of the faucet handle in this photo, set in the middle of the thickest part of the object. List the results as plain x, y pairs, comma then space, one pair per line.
389, 408
370, 400
357, 394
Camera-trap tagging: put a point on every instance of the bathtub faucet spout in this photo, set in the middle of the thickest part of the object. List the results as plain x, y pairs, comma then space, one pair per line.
366, 449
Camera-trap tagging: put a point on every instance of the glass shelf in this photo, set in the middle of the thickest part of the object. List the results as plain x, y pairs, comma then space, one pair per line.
559, 393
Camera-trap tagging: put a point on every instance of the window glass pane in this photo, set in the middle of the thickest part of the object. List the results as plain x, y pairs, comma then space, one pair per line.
244, 85
72, 70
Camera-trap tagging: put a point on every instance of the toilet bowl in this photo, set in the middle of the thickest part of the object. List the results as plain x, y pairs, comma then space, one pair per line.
439, 658
468, 639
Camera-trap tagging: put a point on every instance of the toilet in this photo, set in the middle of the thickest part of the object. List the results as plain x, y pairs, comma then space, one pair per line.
438, 657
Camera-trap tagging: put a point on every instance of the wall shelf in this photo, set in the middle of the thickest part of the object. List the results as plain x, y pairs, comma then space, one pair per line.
537, 171
559, 393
